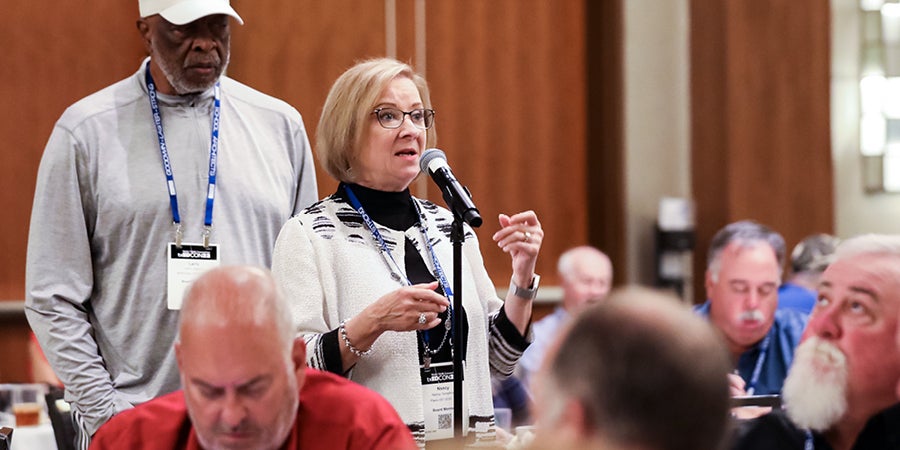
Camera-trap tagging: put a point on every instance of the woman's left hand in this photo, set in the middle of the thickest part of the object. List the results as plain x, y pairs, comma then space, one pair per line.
521, 235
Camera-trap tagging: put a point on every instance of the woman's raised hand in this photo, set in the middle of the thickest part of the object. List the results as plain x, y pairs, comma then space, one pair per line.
521, 236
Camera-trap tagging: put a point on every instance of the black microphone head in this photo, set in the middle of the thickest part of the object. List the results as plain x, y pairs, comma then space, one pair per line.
430, 155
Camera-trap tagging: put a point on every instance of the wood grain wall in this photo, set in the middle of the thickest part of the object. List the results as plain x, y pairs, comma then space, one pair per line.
508, 80
50, 59
51, 55
761, 145
605, 141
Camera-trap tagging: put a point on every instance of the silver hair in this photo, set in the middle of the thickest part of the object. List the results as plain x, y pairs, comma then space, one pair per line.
566, 264
869, 244
814, 253
745, 233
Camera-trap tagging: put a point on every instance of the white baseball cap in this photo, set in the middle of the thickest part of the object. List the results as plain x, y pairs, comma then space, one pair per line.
181, 12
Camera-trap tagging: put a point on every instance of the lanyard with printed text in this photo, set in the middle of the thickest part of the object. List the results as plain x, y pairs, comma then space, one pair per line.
389, 259
395, 268
757, 369
167, 167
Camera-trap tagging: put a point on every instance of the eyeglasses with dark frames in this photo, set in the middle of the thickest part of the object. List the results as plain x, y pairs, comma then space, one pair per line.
391, 118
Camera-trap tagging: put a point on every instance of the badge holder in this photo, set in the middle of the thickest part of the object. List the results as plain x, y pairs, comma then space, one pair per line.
185, 262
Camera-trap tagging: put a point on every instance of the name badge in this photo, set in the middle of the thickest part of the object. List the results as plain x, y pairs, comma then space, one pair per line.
437, 390
184, 265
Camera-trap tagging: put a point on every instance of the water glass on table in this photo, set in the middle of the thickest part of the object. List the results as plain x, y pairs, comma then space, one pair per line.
22, 405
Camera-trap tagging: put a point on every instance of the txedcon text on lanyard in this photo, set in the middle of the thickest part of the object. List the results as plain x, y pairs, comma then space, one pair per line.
167, 167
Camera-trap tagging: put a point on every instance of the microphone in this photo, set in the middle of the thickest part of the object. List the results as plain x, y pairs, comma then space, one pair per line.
457, 196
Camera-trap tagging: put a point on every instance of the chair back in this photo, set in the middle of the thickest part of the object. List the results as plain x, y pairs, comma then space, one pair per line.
61, 419
5, 438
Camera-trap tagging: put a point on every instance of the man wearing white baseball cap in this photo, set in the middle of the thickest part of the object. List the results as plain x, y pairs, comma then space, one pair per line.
184, 11
143, 186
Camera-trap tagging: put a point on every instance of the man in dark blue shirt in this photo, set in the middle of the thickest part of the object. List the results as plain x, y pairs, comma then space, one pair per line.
808, 260
742, 278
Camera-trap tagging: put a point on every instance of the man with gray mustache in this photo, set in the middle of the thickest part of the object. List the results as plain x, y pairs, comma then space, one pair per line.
839, 394
744, 267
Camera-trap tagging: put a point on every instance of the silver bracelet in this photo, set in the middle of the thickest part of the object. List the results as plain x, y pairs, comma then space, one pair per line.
343, 332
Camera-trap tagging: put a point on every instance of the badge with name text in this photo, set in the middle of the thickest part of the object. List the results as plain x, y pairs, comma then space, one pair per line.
437, 387
185, 264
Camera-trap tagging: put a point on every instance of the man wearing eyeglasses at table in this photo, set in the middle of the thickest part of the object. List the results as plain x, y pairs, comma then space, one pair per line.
744, 267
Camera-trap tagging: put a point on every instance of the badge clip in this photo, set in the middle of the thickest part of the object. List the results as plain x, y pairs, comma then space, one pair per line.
179, 234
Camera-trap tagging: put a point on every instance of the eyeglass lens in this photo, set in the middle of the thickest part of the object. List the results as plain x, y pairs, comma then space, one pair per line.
393, 118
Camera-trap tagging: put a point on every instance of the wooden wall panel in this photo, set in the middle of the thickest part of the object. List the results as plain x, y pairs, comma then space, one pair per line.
295, 50
508, 82
605, 159
14, 338
51, 57
760, 121
406, 13
709, 141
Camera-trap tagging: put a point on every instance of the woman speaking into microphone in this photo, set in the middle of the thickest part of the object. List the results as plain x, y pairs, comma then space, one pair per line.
368, 269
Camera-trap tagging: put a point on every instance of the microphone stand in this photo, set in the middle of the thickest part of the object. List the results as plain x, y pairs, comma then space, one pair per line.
457, 236
460, 205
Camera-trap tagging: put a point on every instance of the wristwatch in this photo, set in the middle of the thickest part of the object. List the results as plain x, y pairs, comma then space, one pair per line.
527, 293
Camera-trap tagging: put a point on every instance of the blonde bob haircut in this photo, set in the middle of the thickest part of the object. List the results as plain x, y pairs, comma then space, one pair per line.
348, 110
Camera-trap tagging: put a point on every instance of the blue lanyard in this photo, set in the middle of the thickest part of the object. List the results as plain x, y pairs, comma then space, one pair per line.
389, 259
757, 369
167, 167
808, 445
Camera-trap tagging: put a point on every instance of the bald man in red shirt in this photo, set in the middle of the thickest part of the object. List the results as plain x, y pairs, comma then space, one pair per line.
245, 383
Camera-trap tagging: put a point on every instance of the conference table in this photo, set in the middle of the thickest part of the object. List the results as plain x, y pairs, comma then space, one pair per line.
37, 437
26, 437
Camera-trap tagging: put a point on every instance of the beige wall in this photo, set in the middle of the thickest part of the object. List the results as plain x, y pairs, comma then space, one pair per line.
657, 113
855, 211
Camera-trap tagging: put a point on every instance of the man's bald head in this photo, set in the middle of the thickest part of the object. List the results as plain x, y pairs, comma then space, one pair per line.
236, 298
234, 351
586, 274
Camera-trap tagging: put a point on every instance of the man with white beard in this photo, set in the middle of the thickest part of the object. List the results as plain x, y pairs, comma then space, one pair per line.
744, 266
839, 394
